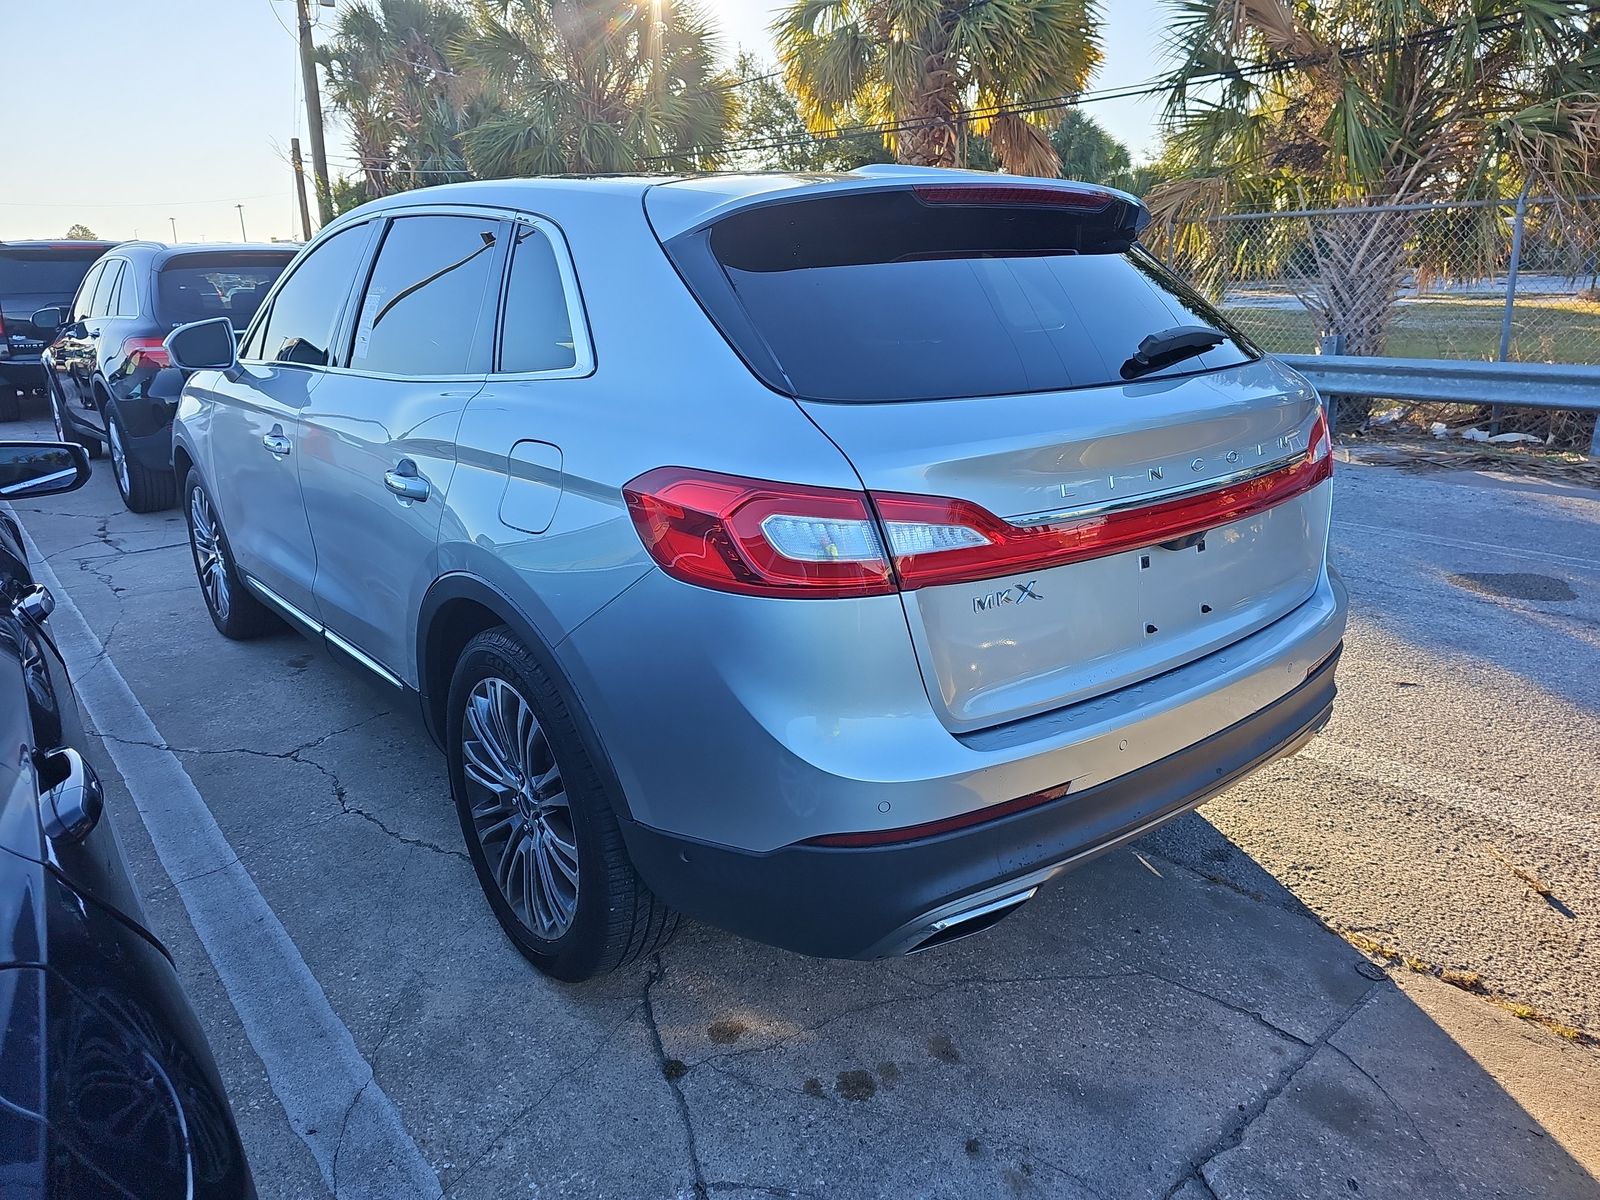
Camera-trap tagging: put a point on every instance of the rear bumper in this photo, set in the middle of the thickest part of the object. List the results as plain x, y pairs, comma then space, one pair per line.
881, 901
24, 371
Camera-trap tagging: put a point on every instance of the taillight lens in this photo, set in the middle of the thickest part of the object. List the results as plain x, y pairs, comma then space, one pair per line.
758, 537
145, 352
995, 547
1012, 196
783, 539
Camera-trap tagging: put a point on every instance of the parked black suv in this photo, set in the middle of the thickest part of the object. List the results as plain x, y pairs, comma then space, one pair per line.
107, 1087
107, 371
34, 275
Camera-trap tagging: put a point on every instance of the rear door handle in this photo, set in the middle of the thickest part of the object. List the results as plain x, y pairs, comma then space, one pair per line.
404, 481
276, 443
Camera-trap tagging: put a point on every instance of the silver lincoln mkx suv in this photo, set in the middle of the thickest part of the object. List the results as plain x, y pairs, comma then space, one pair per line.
834, 558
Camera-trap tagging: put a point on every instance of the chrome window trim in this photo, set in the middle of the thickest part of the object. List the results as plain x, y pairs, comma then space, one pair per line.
264, 313
1145, 499
577, 315
351, 315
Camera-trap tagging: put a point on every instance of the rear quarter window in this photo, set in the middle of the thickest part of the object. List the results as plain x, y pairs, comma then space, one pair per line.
886, 296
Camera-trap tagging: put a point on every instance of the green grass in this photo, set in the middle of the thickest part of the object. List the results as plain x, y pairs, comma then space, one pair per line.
1544, 329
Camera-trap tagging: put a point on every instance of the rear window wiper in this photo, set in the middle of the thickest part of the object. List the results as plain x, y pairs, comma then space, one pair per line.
1171, 346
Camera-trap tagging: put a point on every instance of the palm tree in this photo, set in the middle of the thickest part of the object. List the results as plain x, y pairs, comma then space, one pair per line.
595, 86
407, 100
931, 71
1366, 104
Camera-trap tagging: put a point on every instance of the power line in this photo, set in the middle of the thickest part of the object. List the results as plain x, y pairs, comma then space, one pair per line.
1072, 100
1151, 87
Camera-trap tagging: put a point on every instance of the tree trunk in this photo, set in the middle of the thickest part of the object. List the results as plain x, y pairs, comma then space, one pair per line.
1360, 266
931, 139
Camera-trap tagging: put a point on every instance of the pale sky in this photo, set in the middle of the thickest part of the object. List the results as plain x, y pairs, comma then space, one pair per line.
135, 114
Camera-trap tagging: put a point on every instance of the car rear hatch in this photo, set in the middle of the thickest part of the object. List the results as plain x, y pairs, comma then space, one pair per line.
34, 277
204, 285
1070, 507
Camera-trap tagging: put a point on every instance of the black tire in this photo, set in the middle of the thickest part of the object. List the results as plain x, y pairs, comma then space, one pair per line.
10, 403
617, 918
64, 429
142, 489
241, 615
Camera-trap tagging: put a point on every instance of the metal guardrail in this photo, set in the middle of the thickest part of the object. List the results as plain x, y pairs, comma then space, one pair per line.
1455, 381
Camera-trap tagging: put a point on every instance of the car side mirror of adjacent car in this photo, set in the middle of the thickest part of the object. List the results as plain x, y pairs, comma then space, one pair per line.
48, 320
29, 469
203, 346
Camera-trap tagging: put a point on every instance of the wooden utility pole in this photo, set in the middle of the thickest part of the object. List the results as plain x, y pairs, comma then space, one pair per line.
300, 188
308, 75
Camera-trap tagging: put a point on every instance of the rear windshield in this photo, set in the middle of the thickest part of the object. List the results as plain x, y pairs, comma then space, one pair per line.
890, 296
45, 272
199, 287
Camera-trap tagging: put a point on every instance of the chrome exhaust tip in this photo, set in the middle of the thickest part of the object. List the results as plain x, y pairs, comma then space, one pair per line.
969, 921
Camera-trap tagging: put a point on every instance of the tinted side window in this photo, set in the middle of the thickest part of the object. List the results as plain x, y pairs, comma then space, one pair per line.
537, 335
125, 303
299, 329
426, 306
101, 304
80, 306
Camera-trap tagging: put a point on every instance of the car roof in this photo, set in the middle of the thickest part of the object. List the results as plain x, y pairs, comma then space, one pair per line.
680, 202
158, 253
57, 244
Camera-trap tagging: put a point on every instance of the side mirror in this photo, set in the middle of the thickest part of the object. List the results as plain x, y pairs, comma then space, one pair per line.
48, 320
29, 469
203, 346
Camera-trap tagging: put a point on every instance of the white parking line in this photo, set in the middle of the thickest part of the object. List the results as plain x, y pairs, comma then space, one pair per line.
322, 1080
1433, 539
1545, 819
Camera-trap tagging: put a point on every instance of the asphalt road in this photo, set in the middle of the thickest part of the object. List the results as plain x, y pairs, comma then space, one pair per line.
1246, 1004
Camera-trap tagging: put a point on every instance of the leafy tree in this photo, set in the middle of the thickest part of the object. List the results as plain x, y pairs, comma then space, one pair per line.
82, 233
1361, 103
392, 74
766, 120
1089, 153
595, 86
348, 192
938, 70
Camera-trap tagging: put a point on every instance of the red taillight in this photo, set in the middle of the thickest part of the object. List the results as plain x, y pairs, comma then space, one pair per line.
758, 537
997, 547
784, 539
1004, 196
145, 352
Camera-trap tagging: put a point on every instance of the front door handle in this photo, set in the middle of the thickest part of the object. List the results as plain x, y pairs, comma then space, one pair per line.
276, 443
405, 482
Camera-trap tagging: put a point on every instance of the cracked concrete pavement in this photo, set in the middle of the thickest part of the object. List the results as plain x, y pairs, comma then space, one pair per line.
1179, 1019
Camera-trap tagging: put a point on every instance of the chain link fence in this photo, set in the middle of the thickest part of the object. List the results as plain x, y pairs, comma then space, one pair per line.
1515, 280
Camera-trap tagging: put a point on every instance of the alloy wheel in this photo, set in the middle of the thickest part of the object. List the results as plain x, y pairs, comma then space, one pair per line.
119, 458
209, 556
520, 811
